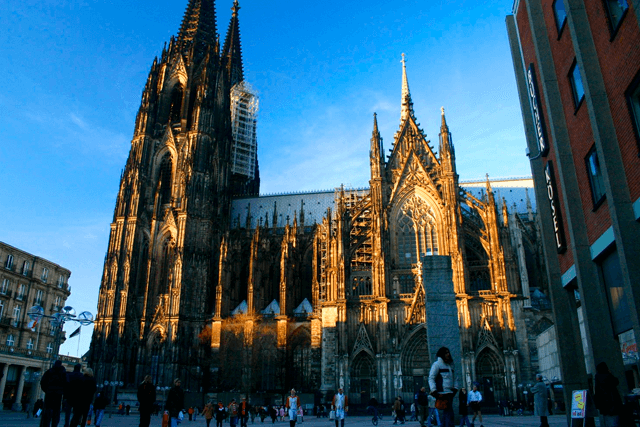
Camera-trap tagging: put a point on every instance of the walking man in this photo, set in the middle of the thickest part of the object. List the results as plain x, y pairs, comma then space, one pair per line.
473, 401
340, 404
146, 397
540, 401
423, 406
292, 404
53, 383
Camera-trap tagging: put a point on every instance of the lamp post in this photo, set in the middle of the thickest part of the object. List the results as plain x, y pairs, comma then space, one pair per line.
68, 313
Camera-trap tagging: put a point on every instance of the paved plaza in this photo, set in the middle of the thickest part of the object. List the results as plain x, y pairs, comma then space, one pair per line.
14, 419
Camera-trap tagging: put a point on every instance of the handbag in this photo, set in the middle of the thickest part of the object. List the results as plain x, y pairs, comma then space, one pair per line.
442, 404
332, 415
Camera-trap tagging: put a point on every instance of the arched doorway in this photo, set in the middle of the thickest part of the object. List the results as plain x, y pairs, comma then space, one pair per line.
490, 375
363, 378
299, 363
415, 364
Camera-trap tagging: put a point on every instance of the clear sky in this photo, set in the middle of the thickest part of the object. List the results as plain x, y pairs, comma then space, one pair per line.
74, 73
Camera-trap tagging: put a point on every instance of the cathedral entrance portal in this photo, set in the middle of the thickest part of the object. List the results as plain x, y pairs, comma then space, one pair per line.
415, 363
363, 377
490, 371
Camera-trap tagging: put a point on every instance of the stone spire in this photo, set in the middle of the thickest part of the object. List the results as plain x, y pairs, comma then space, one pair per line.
198, 30
376, 154
407, 104
447, 153
232, 50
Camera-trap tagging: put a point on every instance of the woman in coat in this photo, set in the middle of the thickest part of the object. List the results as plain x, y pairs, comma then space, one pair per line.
540, 401
175, 402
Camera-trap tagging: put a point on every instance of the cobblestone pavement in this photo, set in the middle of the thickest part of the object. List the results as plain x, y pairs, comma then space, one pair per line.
15, 419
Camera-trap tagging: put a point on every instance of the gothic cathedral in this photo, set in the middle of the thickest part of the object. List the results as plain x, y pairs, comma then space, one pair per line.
207, 281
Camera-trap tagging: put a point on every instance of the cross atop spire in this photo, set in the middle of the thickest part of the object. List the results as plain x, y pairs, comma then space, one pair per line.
407, 104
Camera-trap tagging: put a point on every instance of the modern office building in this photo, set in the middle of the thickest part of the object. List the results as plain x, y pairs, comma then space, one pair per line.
577, 66
27, 350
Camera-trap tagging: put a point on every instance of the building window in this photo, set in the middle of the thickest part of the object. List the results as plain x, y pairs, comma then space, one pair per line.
560, 14
30, 344
5, 287
21, 291
25, 268
633, 98
45, 274
39, 295
9, 263
50, 348
616, 9
58, 304
16, 315
611, 277
576, 85
595, 178
1, 308
10, 340
60, 281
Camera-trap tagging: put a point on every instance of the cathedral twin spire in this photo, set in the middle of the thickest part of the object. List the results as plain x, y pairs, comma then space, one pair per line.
198, 33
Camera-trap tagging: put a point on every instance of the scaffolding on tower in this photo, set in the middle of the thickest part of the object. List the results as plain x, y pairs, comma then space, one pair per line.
244, 118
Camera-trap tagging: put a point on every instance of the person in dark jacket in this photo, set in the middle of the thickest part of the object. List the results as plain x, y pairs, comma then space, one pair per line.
463, 407
146, 397
220, 414
607, 398
72, 393
175, 402
423, 406
53, 383
99, 406
87, 389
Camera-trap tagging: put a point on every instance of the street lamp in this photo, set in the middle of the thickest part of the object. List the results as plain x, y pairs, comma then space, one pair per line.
68, 313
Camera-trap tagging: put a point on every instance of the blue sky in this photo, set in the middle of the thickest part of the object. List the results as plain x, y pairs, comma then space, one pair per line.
74, 73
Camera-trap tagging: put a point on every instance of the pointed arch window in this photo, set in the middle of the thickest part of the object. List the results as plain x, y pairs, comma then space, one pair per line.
175, 112
416, 232
166, 171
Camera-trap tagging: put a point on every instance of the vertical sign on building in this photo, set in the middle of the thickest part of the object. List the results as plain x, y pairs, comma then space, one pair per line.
554, 204
538, 117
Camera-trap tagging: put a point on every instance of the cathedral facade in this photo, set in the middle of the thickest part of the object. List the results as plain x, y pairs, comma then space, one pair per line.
207, 281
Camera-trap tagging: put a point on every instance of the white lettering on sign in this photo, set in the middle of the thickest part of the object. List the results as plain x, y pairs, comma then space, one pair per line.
537, 112
553, 204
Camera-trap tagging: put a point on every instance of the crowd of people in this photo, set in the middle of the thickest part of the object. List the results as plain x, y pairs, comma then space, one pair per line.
73, 393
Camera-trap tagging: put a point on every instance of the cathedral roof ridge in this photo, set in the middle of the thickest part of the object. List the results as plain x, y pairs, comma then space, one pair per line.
483, 181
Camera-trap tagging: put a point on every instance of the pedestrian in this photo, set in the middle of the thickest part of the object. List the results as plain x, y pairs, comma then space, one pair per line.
87, 389
72, 393
473, 400
540, 401
220, 414
233, 413
340, 404
127, 409
463, 408
292, 403
273, 413
244, 412
607, 398
146, 398
53, 384
196, 411
190, 412
422, 399
175, 402
281, 412
413, 412
301, 414
208, 412
443, 384
398, 410
433, 411
99, 406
